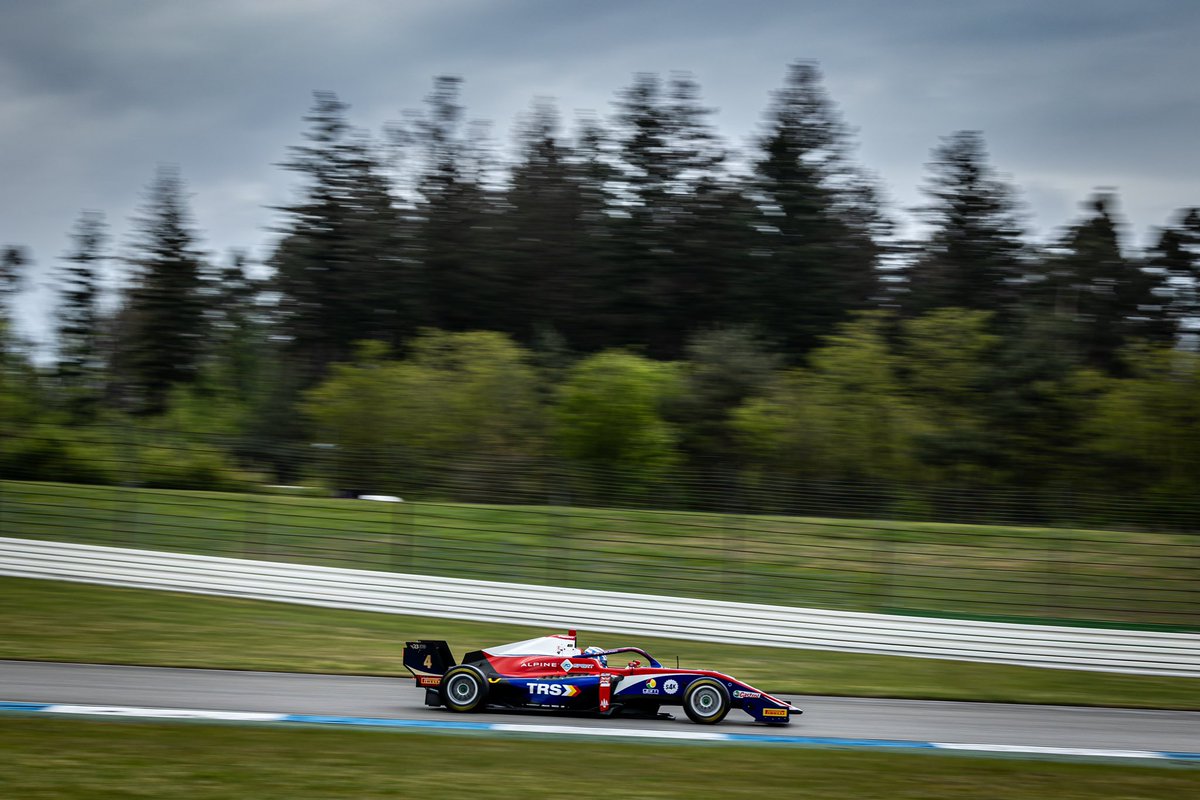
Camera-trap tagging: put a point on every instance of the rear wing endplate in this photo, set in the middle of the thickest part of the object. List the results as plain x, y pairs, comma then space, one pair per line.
428, 661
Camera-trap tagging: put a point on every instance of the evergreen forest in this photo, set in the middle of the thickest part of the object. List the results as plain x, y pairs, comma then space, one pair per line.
631, 300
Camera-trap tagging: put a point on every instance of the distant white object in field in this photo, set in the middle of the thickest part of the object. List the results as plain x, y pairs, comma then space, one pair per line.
382, 498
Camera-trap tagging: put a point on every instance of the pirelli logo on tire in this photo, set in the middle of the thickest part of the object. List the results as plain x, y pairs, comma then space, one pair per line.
775, 712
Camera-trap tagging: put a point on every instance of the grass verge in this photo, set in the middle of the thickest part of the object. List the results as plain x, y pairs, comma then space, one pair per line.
60, 621
99, 759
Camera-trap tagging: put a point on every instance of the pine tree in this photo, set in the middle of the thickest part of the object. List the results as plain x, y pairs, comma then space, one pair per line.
1191, 233
13, 261
1099, 289
465, 287
591, 321
817, 219
21, 397
344, 269
973, 256
162, 335
239, 346
79, 336
543, 232
1175, 261
669, 177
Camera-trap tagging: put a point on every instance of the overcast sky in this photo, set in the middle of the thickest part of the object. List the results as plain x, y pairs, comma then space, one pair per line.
1070, 94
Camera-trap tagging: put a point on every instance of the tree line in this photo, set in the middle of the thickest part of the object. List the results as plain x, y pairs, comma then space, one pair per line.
635, 296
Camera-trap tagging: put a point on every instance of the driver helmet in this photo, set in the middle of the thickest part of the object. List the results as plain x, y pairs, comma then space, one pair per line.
598, 654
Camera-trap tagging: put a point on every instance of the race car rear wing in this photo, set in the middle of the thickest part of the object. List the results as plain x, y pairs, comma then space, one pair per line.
428, 661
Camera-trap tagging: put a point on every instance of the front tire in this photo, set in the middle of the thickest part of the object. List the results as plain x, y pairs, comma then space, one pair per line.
706, 701
463, 689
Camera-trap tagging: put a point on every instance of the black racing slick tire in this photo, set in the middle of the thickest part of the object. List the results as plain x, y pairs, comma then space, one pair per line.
463, 689
706, 701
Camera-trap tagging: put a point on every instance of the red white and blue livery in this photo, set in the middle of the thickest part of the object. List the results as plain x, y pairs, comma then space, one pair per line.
551, 672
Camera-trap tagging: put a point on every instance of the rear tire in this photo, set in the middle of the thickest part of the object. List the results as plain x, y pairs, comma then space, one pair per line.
463, 689
706, 701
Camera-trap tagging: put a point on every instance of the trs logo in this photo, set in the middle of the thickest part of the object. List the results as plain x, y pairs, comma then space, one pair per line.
553, 689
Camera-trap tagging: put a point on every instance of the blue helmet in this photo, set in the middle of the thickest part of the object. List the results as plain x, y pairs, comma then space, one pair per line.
598, 654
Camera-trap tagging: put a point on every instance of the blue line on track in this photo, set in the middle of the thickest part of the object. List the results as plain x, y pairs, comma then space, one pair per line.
383, 722
5, 706
111, 712
828, 741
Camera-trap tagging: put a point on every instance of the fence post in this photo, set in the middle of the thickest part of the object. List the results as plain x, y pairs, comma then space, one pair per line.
247, 525
131, 488
558, 546
887, 556
1065, 582
732, 522
411, 541
399, 543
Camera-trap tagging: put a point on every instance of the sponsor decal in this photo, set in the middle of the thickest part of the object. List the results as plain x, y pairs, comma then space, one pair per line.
648, 690
670, 687
775, 712
553, 689
652, 683
742, 694
650, 687
423, 681
541, 664
416, 645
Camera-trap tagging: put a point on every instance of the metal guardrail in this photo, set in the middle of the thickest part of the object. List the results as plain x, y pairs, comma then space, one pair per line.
1107, 650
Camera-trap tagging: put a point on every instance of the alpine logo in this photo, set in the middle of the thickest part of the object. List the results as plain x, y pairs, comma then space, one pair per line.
553, 689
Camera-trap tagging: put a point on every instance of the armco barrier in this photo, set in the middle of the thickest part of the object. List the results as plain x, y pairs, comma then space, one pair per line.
1135, 652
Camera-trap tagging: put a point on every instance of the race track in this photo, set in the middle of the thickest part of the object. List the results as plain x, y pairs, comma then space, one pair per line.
396, 698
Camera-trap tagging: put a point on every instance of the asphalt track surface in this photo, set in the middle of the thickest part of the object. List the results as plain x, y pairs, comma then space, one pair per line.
397, 698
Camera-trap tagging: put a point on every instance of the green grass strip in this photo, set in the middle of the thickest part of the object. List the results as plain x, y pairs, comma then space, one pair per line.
59, 621
62, 760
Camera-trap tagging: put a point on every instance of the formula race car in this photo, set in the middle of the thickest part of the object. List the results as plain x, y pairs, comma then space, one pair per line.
551, 672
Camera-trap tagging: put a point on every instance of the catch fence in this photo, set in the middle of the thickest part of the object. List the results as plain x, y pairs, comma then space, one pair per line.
1126, 579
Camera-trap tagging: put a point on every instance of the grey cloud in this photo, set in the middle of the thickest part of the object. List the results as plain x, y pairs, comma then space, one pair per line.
92, 95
